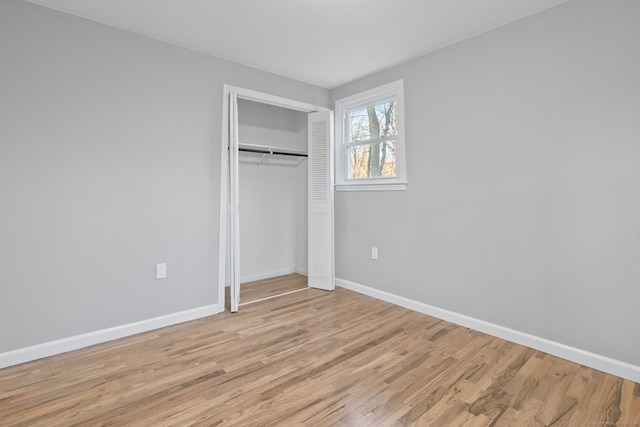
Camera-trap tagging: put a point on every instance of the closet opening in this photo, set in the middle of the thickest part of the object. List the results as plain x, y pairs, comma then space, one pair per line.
276, 206
272, 156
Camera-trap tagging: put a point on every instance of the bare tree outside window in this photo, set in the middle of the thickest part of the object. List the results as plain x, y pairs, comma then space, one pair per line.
373, 141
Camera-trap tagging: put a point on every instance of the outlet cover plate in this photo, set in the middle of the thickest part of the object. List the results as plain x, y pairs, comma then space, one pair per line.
161, 270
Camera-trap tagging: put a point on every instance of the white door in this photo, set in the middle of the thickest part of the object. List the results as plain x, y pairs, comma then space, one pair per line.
320, 194
234, 202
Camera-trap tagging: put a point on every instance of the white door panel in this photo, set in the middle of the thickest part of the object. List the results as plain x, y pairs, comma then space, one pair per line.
321, 269
234, 193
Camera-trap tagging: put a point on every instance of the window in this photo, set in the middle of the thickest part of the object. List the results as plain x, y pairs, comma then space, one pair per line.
370, 139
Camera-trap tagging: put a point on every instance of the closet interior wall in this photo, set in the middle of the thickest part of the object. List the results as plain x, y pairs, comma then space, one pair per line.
273, 192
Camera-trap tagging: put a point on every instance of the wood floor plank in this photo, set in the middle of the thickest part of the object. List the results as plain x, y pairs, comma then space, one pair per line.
259, 289
313, 358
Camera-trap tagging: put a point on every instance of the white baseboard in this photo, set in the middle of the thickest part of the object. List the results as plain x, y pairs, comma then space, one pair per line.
592, 360
27, 354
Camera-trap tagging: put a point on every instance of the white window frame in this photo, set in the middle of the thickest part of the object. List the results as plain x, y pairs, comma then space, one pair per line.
391, 91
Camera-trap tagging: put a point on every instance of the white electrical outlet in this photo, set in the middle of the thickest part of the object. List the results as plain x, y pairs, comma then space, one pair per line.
374, 252
161, 270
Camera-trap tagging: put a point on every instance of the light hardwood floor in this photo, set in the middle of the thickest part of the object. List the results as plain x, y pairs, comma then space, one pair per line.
319, 359
269, 288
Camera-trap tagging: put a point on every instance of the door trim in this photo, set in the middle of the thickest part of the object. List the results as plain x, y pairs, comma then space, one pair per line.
255, 96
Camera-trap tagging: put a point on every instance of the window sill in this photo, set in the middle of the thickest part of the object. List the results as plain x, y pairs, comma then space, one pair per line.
396, 186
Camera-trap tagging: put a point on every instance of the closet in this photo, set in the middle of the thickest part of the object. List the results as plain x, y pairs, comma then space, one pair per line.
272, 157
276, 195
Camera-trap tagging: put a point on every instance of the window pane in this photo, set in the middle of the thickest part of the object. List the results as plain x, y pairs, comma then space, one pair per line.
373, 160
373, 122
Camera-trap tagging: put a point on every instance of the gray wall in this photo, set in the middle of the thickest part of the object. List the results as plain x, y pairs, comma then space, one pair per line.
523, 207
109, 163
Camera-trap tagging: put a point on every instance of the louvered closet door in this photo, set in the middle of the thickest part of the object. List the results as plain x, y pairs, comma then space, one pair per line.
321, 270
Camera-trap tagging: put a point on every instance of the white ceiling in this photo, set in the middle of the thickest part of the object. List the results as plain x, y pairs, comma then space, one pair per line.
323, 42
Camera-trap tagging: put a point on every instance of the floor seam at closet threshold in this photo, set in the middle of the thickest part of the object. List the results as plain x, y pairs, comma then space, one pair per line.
272, 296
